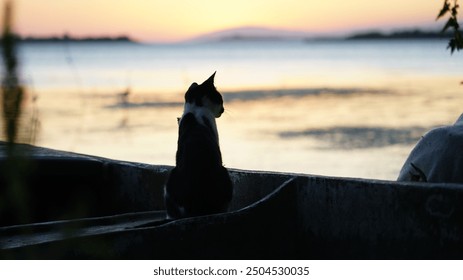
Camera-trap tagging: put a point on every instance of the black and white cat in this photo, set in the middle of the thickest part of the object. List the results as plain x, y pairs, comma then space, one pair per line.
199, 184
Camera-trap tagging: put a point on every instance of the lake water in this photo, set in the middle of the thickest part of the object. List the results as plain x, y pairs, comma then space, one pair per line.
338, 108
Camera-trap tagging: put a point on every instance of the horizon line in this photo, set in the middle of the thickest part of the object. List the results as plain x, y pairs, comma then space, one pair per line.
285, 34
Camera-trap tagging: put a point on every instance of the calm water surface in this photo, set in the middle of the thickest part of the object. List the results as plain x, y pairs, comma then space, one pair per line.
341, 108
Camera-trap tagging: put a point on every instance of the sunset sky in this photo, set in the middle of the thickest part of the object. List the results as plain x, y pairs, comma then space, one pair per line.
174, 20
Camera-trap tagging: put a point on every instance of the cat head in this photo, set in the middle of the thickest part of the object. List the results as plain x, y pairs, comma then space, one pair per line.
206, 95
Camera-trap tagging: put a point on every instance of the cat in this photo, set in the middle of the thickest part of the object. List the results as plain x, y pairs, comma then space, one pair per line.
199, 184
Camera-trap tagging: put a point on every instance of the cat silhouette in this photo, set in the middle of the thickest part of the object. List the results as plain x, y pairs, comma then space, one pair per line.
199, 184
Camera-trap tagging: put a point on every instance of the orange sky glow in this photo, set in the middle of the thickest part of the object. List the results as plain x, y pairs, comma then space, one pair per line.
176, 20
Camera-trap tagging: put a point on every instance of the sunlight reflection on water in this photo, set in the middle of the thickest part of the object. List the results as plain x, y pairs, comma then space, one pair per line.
297, 108
364, 134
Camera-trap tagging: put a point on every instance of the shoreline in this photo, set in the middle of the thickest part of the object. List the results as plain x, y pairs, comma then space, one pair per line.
70, 39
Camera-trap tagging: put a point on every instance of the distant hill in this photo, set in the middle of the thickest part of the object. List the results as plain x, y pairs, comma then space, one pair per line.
251, 34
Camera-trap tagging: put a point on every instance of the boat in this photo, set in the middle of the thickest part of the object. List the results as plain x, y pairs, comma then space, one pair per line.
87, 207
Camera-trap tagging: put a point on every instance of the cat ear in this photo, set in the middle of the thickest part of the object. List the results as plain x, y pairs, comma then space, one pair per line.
193, 85
210, 80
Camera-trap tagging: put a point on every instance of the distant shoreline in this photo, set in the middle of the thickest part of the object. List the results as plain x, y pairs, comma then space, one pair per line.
399, 35
66, 38
407, 34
